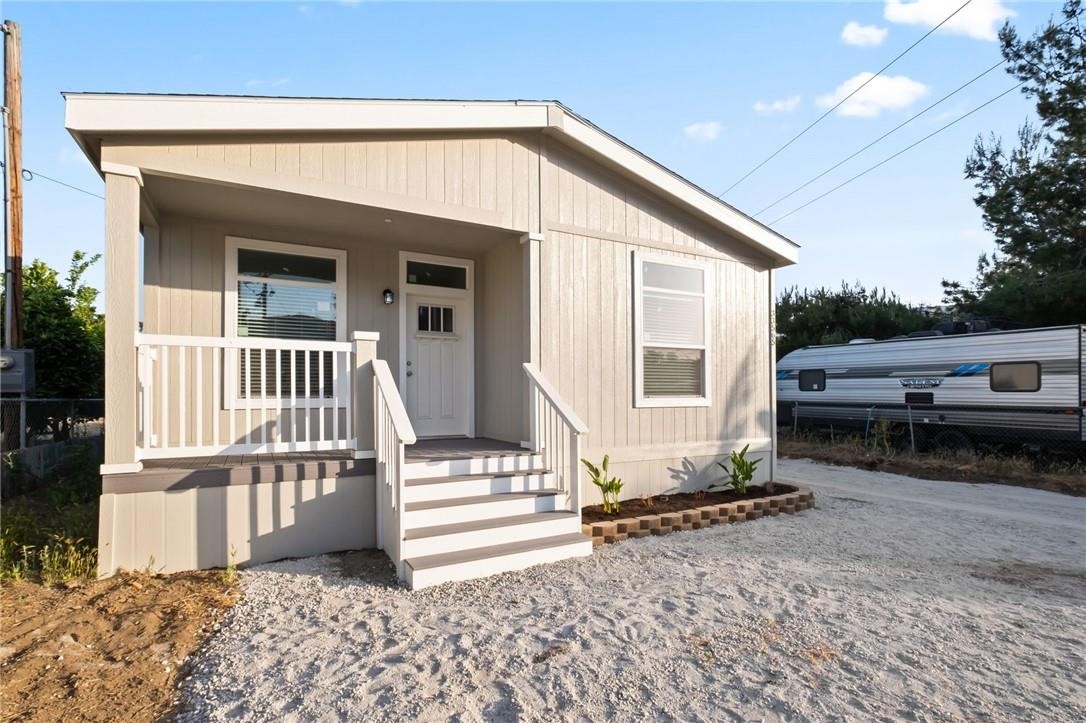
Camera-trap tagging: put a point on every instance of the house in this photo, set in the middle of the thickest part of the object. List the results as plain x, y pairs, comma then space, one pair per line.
337, 324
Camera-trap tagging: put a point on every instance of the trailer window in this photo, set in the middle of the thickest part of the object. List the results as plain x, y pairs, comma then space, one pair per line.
812, 380
1016, 377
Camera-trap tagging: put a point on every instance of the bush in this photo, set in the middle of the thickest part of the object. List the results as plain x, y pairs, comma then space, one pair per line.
609, 487
742, 470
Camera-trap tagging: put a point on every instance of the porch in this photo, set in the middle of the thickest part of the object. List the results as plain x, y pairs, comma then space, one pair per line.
251, 403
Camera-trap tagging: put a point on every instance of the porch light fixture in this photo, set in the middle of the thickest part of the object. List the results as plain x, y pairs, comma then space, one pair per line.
388, 296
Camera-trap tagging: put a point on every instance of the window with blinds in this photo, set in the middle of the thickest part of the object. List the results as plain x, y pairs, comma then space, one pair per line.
671, 332
286, 295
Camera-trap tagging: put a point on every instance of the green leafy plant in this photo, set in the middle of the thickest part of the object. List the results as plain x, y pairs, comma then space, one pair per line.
742, 470
230, 573
609, 487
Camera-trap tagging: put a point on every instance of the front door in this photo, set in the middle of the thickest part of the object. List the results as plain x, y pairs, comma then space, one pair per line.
438, 365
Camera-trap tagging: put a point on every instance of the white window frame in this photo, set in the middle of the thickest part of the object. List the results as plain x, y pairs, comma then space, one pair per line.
640, 400
230, 310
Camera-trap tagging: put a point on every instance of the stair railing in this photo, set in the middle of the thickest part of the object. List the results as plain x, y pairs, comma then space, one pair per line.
392, 431
555, 432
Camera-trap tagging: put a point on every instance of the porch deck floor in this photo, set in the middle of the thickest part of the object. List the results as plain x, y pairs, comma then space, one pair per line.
424, 450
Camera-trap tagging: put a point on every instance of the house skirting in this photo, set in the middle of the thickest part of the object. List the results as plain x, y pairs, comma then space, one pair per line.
172, 530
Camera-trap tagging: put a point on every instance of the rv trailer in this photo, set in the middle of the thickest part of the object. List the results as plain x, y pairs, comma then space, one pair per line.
1026, 386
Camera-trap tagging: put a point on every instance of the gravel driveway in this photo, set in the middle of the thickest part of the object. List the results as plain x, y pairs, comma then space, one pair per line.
896, 599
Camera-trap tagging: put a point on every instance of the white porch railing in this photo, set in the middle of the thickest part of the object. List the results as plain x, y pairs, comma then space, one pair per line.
555, 432
392, 430
202, 396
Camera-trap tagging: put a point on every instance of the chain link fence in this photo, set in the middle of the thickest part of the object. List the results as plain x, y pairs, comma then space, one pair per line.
38, 434
924, 429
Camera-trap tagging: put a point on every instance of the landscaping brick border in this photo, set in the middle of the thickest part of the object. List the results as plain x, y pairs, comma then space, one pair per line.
696, 518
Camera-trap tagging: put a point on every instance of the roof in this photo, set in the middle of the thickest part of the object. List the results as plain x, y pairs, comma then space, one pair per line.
92, 115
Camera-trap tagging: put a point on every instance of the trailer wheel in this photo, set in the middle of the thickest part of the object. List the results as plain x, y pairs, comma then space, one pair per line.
951, 440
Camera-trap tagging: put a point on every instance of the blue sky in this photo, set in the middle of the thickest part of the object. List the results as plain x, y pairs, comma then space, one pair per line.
707, 89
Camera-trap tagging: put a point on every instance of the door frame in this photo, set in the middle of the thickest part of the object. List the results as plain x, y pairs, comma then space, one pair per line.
466, 297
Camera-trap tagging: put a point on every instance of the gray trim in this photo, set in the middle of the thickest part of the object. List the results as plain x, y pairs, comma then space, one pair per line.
167, 480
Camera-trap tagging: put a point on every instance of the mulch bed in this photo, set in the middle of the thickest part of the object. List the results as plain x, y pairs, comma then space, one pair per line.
105, 650
677, 503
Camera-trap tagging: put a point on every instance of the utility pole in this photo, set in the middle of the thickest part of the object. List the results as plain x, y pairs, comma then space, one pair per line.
13, 185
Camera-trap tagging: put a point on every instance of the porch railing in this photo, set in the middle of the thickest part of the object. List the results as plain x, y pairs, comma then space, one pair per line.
201, 396
392, 431
555, 432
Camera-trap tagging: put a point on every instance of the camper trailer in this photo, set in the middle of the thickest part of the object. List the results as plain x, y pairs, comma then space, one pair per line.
1026, 386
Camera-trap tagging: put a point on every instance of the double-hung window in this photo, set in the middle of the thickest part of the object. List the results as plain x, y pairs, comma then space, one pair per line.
671, 332
290, 292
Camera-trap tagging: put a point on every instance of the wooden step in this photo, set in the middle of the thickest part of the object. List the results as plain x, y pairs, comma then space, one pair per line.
435, 569
479, 507
476, 533
475, 485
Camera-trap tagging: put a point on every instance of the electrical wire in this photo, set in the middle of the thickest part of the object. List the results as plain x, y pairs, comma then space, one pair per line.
893, 130
29, 175
839, 103
892, 157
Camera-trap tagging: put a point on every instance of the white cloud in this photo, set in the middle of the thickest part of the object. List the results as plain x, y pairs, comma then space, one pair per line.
863, 35
979, 19
886, 92
703, 131
263, 83
772, 107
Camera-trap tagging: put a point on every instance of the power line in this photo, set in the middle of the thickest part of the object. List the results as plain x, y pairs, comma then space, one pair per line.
893, 130
30, 175
839, 103
903, 150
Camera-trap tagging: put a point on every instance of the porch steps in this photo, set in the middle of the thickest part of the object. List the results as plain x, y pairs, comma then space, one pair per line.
482, 561
471, 517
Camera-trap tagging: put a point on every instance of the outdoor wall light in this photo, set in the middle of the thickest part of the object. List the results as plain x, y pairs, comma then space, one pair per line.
389, 296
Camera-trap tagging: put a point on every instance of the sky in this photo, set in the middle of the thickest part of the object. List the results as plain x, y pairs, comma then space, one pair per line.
707, 89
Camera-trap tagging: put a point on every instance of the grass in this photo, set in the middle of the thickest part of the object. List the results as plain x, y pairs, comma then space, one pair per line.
1051, 473
48, 534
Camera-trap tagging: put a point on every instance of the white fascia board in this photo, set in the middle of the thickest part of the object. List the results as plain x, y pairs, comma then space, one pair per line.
587, 136
91, 113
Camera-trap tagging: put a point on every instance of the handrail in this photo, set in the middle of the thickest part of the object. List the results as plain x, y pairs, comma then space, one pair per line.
392, 430
553, 397
241, 342
383, 379
555, 433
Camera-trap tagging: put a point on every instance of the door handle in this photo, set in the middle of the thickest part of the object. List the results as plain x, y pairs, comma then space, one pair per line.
410, 374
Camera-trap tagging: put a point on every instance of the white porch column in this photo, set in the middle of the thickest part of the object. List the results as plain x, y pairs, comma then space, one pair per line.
365, 351
122, 312
530, 324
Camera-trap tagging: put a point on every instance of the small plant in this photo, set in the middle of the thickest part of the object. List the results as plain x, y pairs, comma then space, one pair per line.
648, 501
742, 470
610, 487
230, 574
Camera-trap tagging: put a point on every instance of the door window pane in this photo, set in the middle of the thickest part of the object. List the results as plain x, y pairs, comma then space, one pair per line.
424, 318
447, 319
448, 277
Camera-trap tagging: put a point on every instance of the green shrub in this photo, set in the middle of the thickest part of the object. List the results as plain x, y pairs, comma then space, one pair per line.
609, 487
742, 470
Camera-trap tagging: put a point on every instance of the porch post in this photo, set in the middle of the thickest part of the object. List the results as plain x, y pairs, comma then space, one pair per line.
365, 351
530, 323
122, 313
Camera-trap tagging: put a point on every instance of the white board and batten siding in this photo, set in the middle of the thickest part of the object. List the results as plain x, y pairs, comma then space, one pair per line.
591, 220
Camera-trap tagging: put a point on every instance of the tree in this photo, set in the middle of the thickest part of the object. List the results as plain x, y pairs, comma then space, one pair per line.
835, 317
63, 328
1033, 197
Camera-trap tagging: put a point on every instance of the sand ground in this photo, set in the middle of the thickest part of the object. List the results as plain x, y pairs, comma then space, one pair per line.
896, 599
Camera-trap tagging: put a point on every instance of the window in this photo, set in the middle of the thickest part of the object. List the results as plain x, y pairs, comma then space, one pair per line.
435, 319
284, 291
447, 277
671, 332
812, 380
1015, 377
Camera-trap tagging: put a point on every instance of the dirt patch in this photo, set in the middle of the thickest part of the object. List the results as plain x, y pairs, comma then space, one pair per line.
1034, 577
962, 467
679, 502
106, 650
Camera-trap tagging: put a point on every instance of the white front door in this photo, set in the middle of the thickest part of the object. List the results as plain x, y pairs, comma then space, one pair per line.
438, 365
